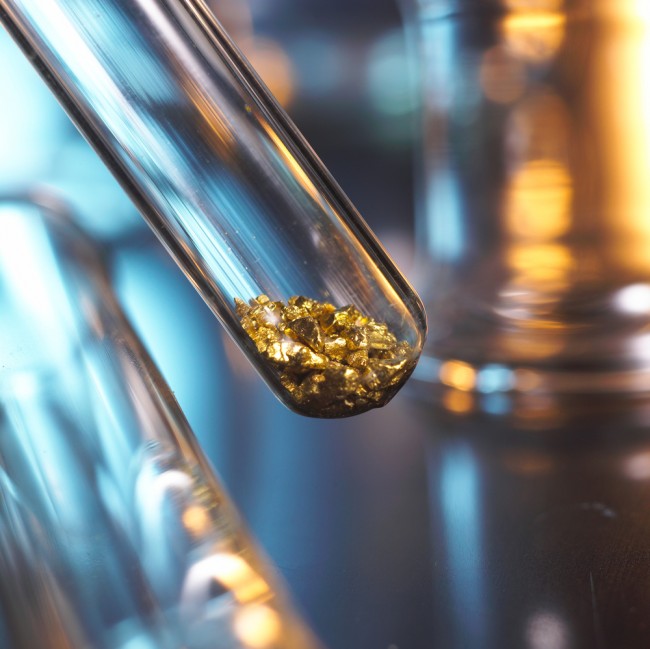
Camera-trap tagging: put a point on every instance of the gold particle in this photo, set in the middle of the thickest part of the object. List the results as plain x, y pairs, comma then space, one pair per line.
333, 362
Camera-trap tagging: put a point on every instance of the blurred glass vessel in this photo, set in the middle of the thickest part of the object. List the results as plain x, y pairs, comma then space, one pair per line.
535, 201
228, 184
114, 532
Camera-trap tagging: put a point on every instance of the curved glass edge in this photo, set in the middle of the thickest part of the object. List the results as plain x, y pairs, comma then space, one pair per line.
114, 531
264, 151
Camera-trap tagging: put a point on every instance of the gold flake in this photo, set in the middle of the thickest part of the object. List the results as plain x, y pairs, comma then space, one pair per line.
333, 362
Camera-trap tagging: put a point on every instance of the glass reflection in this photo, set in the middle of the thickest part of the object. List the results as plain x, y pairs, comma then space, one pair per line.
458, 485
539, 532
113, 530
536, 155
534, 31
41, 147
223, 177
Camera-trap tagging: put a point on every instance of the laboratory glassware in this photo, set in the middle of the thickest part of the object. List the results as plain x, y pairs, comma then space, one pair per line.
114, 531
234, 193
534, 195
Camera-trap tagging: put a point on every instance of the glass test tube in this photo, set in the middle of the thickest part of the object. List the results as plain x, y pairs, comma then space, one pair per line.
234, 193
114, 533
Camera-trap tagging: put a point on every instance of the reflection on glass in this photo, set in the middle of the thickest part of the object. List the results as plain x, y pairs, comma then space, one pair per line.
533, 31
457, 483
113, 530
224, 178
536, 159
41, 147
458, 375
539, 526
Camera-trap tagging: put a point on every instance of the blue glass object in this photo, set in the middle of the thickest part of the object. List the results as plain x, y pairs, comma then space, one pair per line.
114, 532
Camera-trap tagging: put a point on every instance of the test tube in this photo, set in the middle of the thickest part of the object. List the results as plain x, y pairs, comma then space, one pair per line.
114, 532
234, 193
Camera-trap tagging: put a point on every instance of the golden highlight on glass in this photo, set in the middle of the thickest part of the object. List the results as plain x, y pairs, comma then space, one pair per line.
214, 164
536, 198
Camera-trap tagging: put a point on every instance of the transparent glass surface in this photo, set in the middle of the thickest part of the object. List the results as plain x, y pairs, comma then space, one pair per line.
534, 194
114, 532
229, 185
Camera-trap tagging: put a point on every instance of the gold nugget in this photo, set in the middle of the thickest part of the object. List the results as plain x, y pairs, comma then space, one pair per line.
334, 362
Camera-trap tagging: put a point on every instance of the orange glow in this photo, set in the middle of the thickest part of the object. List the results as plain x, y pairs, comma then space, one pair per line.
535, 5
459, 375
237, 575
267, 57
458, 402
534, 33
547, 264
291, 162
619, 105
196, 520
502, 77
258, 626
273, 65
538, 201
637, 11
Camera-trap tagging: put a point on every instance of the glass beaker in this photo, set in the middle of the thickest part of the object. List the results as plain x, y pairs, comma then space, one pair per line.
535, 193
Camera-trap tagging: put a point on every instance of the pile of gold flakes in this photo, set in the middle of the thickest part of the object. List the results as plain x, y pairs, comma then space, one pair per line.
333, 362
